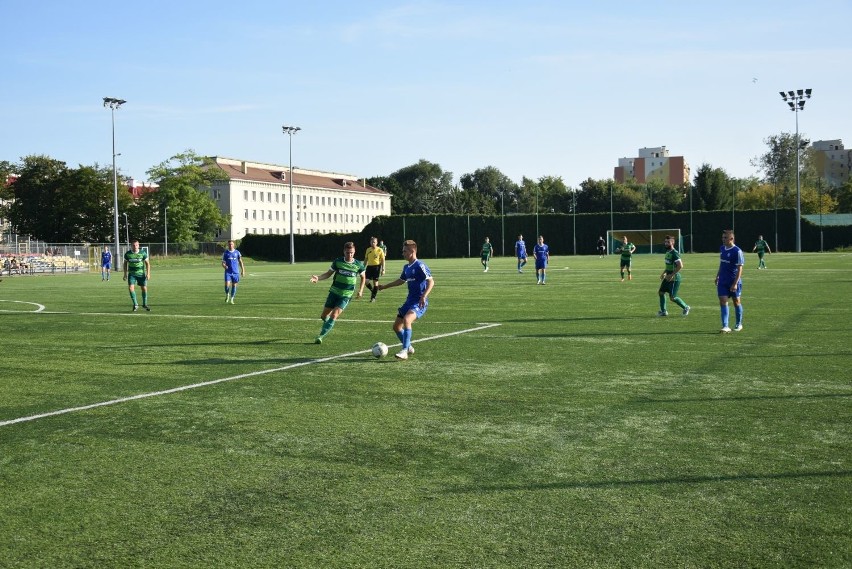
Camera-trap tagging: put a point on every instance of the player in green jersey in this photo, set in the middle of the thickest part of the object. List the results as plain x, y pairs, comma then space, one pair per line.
346, 271
137, 271
485, 254
761, 247
670, 278
626, 249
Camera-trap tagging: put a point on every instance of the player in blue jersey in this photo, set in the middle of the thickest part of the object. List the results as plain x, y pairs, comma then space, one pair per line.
106, 264
729, 282
521, 252
541, 252
420, 283
232, 262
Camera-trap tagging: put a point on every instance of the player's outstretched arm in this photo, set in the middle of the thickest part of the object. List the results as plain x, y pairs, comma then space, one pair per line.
322, 277
391, 284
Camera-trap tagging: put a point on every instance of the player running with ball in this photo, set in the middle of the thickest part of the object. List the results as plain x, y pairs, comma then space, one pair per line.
420, 283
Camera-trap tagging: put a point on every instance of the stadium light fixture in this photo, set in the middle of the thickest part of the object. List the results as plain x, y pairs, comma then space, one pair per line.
796, 101
112, 103
290, 131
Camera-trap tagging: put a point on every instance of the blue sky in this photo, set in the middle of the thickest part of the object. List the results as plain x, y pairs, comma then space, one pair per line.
535, 88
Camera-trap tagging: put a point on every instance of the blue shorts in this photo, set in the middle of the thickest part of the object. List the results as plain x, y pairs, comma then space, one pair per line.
724, 289
106, 266
540, 264
232, 277
414, 307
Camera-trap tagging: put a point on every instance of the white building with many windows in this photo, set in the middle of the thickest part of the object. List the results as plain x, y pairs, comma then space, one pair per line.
257, 196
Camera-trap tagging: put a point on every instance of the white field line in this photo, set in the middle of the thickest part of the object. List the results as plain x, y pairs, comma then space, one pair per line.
222, 380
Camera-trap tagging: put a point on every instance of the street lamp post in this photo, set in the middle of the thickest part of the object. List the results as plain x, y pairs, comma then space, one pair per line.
796, 101
502, 224
290, 131
126, 229
114, 104
166, 231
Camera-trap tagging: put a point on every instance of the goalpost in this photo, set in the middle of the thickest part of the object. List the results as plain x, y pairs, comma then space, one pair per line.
646, 240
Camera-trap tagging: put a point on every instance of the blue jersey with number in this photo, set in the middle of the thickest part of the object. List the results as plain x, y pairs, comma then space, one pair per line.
730, 259
520, 248
415, 274
232, 261
106, 258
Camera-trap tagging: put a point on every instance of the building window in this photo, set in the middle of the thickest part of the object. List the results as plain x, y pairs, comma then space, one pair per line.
245, 195
261, 199
246, 214
254, 196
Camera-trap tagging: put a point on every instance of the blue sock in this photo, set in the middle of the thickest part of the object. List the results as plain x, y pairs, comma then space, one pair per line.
406, 338
738, 310
401, 336
724, 316
233, 291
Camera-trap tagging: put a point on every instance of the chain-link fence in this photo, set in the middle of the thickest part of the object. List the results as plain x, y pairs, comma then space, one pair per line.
22, 256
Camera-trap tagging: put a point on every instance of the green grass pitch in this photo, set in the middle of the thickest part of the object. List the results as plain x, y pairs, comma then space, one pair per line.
580, 430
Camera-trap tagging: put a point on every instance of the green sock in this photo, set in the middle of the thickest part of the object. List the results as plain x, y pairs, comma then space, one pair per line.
327, 326
662, 303
679, 302
144, 298
133, 297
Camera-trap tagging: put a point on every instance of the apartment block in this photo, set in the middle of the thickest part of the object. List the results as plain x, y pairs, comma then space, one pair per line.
653, 164
833, 162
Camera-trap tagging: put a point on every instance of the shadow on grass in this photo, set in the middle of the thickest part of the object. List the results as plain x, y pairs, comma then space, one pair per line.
646, 482
743, 398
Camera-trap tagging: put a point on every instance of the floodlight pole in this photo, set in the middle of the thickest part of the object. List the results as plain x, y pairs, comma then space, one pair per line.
796, 101
112, 103
290, 131
126, 228
574, 208
502, 224
166, 231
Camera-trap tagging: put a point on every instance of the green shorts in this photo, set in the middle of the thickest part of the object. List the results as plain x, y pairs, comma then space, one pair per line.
141, 280
670, 287
336, 301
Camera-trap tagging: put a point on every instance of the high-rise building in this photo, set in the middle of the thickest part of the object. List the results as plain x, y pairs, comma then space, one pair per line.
653, 164
833, 162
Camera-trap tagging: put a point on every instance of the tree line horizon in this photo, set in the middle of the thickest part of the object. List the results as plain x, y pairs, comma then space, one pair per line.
55, 203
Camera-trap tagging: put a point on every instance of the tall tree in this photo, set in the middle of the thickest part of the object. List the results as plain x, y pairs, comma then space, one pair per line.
55, 203
486, 187
418, 188
184, 181
711, 189
778, 163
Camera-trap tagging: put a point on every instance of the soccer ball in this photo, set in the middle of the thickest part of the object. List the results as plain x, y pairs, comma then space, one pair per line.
380, 350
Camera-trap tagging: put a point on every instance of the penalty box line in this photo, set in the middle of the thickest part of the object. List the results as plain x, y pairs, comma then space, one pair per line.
224, 379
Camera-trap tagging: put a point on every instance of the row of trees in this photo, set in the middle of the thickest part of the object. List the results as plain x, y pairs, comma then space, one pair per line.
53, 202
424, 188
